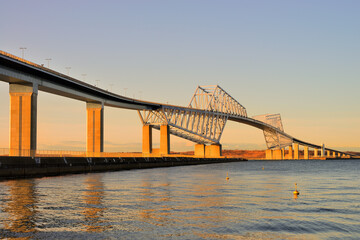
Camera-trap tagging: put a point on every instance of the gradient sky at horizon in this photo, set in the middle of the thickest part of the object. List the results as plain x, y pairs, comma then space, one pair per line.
297, 58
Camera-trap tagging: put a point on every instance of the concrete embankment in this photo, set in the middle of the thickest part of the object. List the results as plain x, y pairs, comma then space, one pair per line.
22, 167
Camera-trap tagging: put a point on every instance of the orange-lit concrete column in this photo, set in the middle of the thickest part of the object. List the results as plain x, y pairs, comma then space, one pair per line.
306, 152
339, 155
315, 153
213, 151
290, 155
323, 151
296, 151
199, 150
147, 139
95, 128
164, 139
327, 153
23, 112
269, 154
334, 154
277, 154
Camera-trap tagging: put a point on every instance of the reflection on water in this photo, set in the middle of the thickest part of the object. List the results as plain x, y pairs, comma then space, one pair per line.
93, 207
152, 195
20, 206
190, 202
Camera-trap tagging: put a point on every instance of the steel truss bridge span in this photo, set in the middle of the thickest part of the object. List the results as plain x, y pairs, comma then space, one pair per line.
206, 127
203, 121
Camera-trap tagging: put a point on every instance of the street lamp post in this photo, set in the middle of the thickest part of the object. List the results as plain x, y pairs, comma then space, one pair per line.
48, 62
22, 51
68, 70
84, 75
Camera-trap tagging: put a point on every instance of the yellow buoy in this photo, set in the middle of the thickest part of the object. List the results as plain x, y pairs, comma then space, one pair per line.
227, 176
296, 191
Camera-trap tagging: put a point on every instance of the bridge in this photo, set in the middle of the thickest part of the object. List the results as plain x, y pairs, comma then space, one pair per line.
201, 122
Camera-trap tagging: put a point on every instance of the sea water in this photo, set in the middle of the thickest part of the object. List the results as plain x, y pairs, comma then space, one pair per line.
189, 202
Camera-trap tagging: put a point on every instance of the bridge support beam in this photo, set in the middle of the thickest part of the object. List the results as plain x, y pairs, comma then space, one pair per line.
147, 139
23, 120
290, 154
213, 150
334, 154
327, 153
306, 152
339, 155
95, 128
199, 150
164, 139
296, 151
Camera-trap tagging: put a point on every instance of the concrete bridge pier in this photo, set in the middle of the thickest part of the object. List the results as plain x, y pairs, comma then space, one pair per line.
147, 149
23, 119
316, 153
277, 154
164, 140
199, 150
269, 154
213, 150
296, 151
290, 154
306, 152
147, 140
95, 128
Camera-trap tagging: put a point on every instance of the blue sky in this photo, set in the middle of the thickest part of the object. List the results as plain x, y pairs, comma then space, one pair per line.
297, 58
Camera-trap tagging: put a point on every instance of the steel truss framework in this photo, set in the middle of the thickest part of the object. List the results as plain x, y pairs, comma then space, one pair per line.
274, 139
199, 126
214, 98
204, 120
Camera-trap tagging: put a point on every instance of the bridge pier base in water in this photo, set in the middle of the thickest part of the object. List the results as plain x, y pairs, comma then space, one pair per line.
199, 150
268, 154
213, 150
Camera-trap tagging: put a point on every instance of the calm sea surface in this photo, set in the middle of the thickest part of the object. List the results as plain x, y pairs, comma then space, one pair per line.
190, 202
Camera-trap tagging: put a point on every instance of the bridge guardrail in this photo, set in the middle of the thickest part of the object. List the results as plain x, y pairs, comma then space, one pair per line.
62, 153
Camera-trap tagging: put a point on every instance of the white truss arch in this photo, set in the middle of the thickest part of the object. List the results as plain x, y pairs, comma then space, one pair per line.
214, 98
273, 137
198, 126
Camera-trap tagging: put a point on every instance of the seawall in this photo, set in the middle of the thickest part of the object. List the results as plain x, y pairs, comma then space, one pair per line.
23, 167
